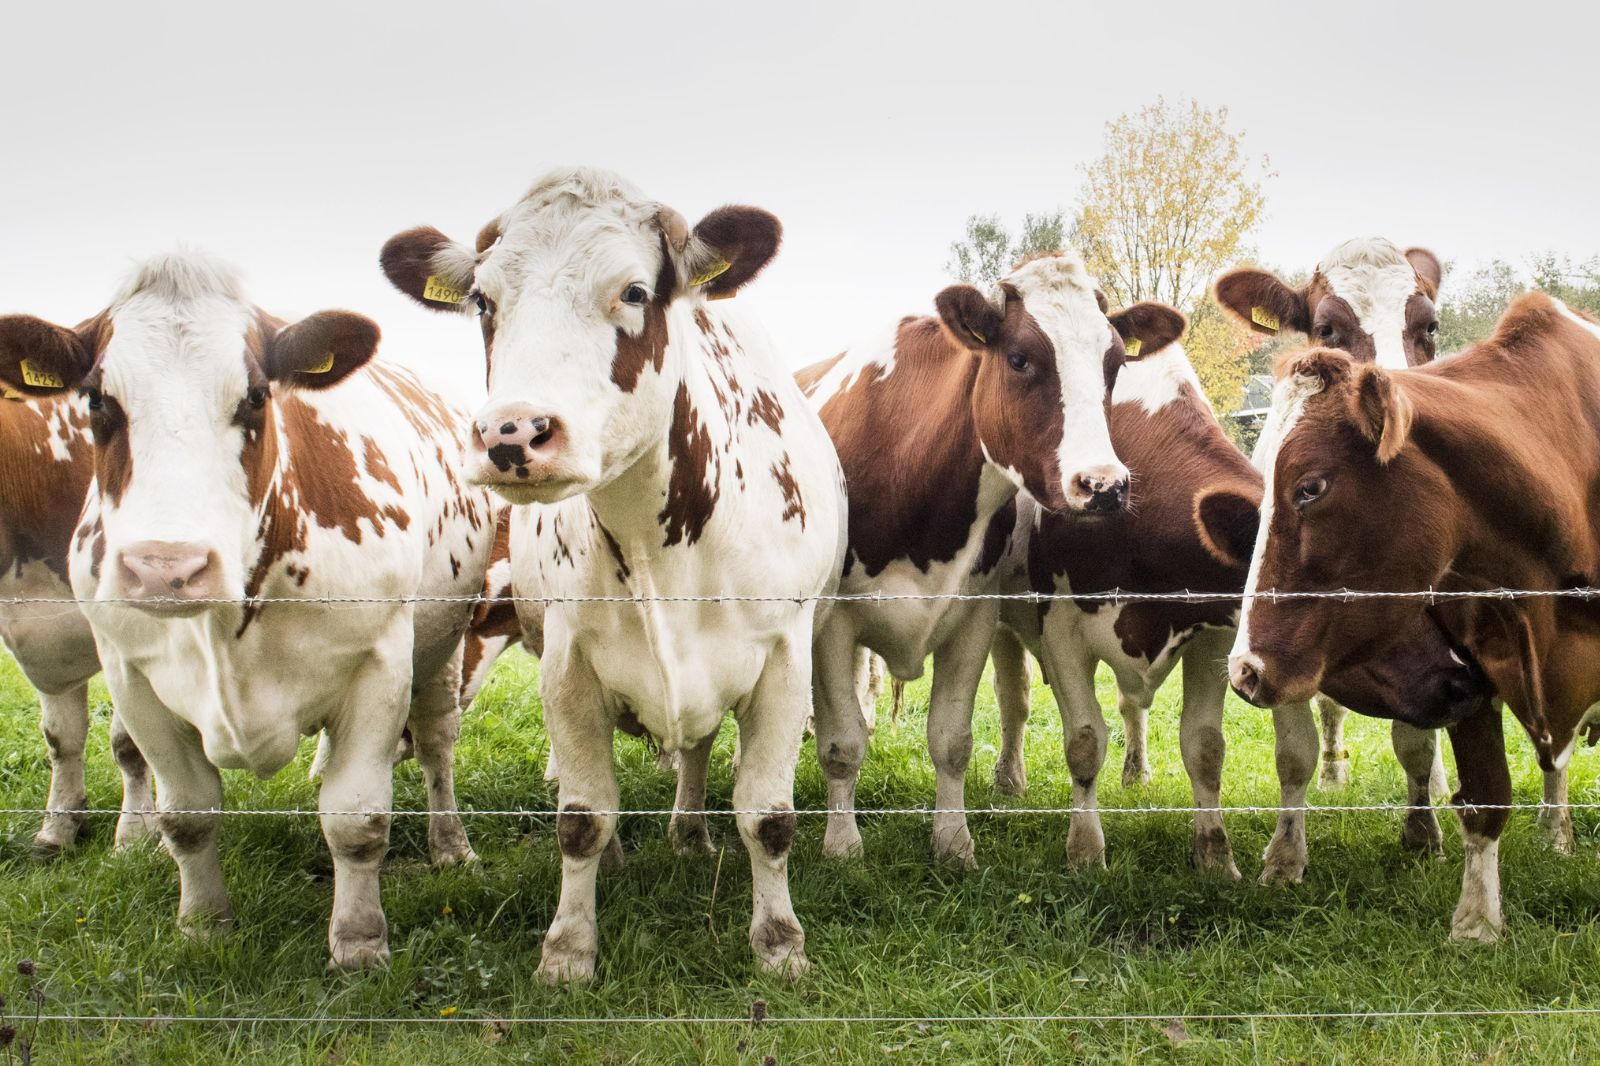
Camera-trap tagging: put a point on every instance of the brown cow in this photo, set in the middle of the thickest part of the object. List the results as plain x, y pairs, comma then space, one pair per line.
1496, 454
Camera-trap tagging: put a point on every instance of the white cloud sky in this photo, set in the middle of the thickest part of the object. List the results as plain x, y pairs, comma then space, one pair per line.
293, 138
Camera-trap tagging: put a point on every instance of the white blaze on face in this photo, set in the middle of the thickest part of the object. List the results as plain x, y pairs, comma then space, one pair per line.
1377, 281
1289, 398
176, 368
1060, 295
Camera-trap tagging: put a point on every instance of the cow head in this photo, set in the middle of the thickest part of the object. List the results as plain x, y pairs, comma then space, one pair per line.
575, 286
1366, 297
1340, 479
180, 374
1048, 358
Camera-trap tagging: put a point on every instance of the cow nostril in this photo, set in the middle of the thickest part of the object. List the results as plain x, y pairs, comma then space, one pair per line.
508, 428
1246, 679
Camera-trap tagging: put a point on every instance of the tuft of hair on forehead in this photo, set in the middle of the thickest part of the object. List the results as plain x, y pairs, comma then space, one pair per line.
1063, 268
180, 277
1373, 252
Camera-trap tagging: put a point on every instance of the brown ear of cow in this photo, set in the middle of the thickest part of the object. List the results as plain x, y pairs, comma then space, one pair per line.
39, 358
1227, 520
731, 246
428, 267
1380, 410
1262, 301
1153, 325
1430, 272
1329, 364
969, 316
321, 350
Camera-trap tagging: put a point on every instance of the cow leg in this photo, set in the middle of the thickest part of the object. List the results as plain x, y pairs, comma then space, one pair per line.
1295, 754
1135, 733
688, 831
957, 671
1335, 756
772, 723
1555, 817
1480, 749
64, 720
1011, 692
1083, 729
581, 734
137, 822
434, 724
1417, 750
869, 685
841, 734
1205, 688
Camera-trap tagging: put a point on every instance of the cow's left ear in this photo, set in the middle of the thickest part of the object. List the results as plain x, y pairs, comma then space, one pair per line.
39, 358
1380, 410
1227, 520
1146, 328
430, 268
1429, 271
726, 249
321, 350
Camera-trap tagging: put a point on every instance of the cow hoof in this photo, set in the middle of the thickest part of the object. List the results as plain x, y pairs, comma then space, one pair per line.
1285, 862
955, 849
1558, 830
1477, 928
1420, 833
780, 947
1135, 772
136, 829
350, 956
559, 967
1335, 775
47, 850
1213, 857
58, 833
1010, 780
842, 844
457, 856
690, 837
1086, 850
205, 927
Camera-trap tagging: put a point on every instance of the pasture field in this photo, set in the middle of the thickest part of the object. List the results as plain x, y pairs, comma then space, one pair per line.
890, 935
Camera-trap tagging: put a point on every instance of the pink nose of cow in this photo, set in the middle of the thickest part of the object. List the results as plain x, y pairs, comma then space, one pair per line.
1244, 674
514, 441
167, 570
1101, 490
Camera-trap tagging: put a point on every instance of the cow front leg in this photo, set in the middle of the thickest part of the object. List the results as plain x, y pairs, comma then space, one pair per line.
1555, 817
1205, 688
1335, 756
137, 822
1294, 735
771, 724
1480, 749
581, 736
64, 721
1012, 691
687, 830
1417, 751
1083, 731
435, 724
841, 733
957, 670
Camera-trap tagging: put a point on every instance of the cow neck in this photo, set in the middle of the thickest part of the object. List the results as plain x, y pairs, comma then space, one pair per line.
278, 530
41, 493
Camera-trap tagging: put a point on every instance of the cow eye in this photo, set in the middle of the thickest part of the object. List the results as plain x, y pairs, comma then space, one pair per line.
1309, 489
1018, 362
256, 397
1326, 331
95, 400
635, 295
1433, 327
479, 301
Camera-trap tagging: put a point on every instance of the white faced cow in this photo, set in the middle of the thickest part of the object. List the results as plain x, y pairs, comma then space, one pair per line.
661, 451
938, 425
241, 465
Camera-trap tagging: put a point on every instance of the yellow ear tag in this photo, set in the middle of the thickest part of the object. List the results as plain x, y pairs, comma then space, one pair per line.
1133, 344
37, 377
439, 290
12, 394
1264, 318
322, 367
712, 272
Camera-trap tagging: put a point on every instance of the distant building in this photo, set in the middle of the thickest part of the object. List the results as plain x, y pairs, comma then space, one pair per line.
1257, 400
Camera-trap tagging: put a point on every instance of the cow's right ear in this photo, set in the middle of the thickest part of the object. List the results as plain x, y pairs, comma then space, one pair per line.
39, 358
1261, 300
1227, 520
430, 268
970, 316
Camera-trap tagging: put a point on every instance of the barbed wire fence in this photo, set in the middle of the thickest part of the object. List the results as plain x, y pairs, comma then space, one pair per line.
759, 1014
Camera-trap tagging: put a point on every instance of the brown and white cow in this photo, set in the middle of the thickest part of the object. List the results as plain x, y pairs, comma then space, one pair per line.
245, 469
1189, 526
47, 459
1371, 299
662, 457
1496, 453
938, 425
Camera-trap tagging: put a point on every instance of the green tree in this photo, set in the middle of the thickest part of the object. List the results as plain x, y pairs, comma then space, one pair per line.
988, 252
1471, 306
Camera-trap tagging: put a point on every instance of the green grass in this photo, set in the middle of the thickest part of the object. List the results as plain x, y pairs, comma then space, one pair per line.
889, 935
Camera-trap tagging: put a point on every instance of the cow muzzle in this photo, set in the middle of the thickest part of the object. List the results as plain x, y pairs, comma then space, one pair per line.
170, 577
1256, 684
524, 453
1098, 491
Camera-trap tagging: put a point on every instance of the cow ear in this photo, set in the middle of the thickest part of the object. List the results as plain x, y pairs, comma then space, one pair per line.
321, 350
1327, 365
430, 268
970, 316
1380, 410
1146, 328
39, 358
726, 249
1259, 298
1429, 271
1227, 520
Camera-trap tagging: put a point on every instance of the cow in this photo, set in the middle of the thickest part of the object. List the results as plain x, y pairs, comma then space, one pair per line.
246, 470
1371, 299
1496, 453
1188, 527
939, 423
48, 457
658, 453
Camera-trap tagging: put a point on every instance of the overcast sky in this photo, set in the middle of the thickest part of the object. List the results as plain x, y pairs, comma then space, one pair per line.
293, 138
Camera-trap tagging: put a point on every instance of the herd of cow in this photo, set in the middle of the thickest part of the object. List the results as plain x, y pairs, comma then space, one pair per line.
203, 478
